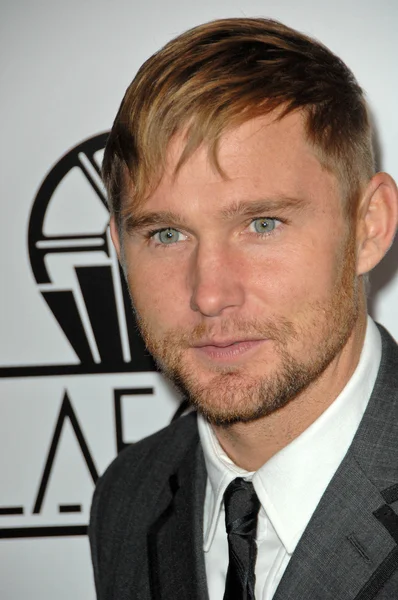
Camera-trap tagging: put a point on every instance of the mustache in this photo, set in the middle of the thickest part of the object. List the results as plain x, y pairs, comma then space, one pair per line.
270, 328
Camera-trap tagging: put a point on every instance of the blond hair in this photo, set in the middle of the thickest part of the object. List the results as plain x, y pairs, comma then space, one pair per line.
218, 75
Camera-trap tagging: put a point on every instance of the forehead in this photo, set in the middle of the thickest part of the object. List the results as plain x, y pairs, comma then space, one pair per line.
265, 156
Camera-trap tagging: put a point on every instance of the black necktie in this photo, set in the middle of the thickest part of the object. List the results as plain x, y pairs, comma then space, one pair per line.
241, 509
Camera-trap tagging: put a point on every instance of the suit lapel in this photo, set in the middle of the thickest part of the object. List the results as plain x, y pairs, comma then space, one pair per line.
349, 549
344, 544
175, 540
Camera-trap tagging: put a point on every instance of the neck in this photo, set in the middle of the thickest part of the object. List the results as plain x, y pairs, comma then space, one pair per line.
252, 444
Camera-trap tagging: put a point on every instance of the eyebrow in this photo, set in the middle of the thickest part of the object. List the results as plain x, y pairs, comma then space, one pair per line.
262, 208
143, 220
253, 208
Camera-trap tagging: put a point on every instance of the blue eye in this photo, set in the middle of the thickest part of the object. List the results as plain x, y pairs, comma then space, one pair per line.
168, 236
263, 224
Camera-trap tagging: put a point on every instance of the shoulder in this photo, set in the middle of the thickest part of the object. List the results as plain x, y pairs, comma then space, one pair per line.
132, 485
389, 358
375, 445
163, 449
146, 464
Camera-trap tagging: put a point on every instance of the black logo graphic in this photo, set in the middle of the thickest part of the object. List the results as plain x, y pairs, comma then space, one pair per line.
77, 274
76, 270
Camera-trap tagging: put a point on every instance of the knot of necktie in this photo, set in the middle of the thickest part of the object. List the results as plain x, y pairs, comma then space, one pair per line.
241, 508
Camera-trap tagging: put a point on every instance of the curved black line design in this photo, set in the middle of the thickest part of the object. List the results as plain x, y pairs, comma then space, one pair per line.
43, 197
107, 317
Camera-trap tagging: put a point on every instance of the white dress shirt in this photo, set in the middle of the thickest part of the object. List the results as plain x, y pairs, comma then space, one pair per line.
290, 485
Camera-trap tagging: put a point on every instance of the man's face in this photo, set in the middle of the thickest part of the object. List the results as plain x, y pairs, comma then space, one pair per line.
244, 285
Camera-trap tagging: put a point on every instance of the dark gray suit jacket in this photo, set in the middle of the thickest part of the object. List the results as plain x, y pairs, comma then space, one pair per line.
146, 524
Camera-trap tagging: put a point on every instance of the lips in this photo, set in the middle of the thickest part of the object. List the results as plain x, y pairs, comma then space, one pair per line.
227, 350
225, 343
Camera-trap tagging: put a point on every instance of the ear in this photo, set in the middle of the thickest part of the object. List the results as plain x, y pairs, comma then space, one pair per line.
377, 221
115, 235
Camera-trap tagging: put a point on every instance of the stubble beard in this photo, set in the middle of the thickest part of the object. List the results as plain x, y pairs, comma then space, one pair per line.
231, 394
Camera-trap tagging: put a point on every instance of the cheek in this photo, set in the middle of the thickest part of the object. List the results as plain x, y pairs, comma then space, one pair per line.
157, 293
296, 275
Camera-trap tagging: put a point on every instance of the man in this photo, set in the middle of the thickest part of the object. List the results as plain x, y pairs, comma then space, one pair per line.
246, 214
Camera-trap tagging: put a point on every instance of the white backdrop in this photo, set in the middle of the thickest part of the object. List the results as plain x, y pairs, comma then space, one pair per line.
64, 68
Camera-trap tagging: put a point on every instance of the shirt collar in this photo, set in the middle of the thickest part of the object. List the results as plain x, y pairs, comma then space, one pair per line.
221, 470
292, 482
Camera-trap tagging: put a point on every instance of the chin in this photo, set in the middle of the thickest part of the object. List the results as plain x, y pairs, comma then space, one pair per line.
232, 397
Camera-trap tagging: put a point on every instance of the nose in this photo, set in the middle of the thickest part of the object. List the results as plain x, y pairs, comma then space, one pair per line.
215, 280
